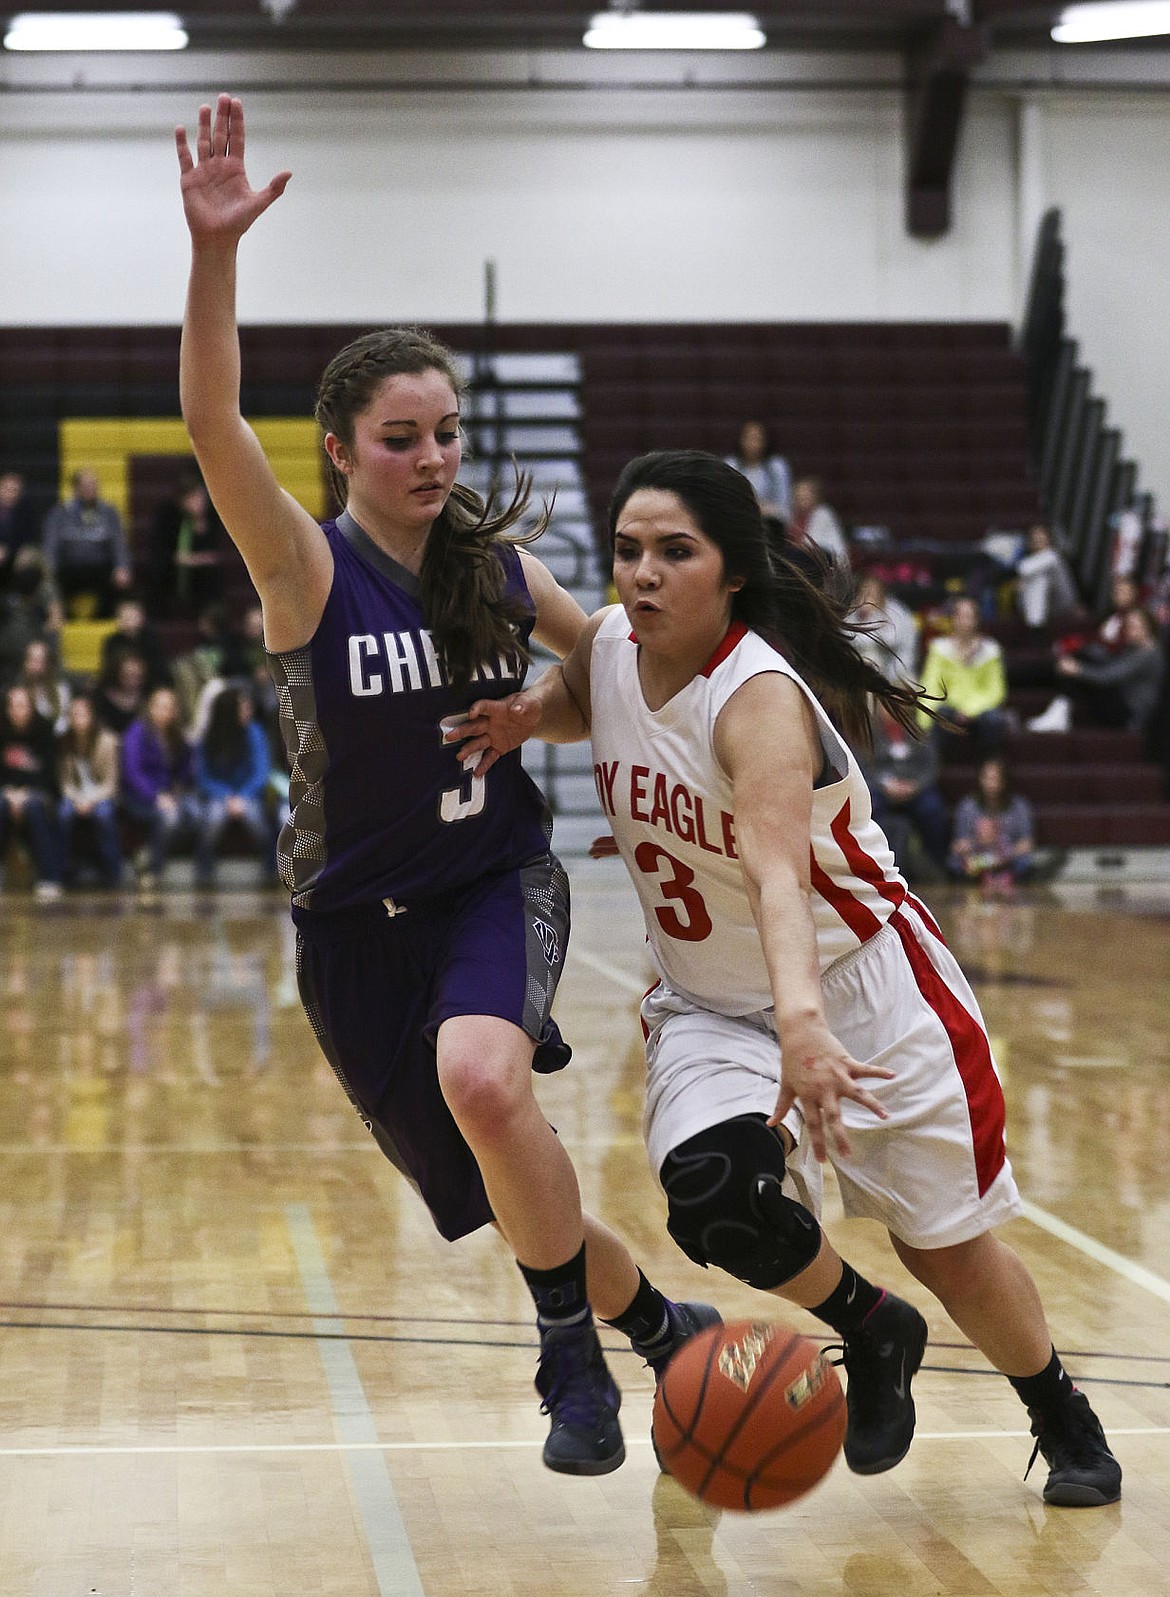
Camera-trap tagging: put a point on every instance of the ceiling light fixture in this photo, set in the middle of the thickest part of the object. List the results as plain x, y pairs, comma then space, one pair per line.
95, 30
674, 30
1118, 19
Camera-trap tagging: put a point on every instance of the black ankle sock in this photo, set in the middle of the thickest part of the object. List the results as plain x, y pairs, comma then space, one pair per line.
560, 1295
1047, 1391
848, 1304
645, 1320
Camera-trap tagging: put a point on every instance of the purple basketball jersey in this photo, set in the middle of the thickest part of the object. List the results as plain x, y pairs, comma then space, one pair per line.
380, 806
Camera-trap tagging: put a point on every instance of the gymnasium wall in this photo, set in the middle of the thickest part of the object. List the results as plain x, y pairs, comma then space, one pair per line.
724, 203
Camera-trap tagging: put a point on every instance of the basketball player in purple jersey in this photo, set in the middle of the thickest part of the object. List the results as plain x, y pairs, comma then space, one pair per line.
431, 916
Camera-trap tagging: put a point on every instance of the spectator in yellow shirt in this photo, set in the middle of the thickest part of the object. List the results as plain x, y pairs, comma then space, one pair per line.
965, 669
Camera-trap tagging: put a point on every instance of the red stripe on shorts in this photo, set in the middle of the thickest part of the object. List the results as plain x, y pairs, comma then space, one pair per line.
972, 1053
858, 916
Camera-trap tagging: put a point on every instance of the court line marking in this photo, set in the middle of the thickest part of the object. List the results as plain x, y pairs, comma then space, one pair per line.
381, 1518
1089, 1246
602, 967
114, 1449
1128, 1269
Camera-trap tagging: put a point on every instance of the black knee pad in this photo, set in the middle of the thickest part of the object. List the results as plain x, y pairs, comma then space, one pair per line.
726, 1207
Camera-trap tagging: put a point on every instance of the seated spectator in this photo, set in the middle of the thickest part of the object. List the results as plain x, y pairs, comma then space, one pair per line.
120, 693
812, 521
134, 633
1106, 639
1122, 691
965, 670
48, 689
85, 547
994, 837
19, 524
888, 632
218, 653
767, 471
1045, 589
156, 791
28, 787
232, 770
31, 608
187, 552
88, 764
902, 774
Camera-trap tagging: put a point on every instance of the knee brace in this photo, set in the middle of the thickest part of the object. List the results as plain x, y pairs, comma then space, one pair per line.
726, 1207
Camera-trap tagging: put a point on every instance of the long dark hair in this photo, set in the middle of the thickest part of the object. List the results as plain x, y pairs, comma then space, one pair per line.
462, 579
785, 595
225, 742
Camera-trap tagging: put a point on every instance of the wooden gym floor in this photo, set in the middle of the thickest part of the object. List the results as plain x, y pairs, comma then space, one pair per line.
237, 1362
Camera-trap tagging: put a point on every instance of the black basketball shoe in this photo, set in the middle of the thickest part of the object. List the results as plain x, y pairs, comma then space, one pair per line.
1082, 1472
881, 1360
582, 1400
686, 1320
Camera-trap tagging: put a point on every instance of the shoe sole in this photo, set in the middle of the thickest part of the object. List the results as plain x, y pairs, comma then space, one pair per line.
586, 1466
881, 1465
1070, 1495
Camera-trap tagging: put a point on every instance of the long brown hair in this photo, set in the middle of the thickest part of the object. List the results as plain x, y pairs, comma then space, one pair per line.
786, 595
471, 617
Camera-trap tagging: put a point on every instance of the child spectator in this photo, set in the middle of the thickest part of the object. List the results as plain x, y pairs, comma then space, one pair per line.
232, 769
994, 837
157, 772
28, 787
88, 764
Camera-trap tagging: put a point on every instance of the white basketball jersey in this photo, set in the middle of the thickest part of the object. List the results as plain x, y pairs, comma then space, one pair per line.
670, 807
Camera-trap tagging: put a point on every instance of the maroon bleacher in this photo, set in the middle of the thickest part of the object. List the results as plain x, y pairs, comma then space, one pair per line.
1089, 788
919, 427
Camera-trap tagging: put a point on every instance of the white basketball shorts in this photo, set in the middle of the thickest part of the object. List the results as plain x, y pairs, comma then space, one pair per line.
934, 1173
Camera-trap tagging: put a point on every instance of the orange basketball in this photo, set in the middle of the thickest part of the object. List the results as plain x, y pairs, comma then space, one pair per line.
748, 1415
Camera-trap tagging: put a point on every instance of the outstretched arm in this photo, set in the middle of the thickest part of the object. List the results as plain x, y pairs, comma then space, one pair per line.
286, 555
766, 740
555, 708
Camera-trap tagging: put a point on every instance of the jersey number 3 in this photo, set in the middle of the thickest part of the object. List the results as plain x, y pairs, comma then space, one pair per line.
693, 924
457, 804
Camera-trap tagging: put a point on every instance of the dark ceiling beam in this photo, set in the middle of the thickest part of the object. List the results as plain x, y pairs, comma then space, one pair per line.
938, 73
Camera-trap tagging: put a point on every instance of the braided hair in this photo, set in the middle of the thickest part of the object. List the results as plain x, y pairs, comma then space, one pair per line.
787, 594
462, 579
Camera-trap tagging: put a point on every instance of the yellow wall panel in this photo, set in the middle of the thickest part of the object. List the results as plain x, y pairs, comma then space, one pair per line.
107, 444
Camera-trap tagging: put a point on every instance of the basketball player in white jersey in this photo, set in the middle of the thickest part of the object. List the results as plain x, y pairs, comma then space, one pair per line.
807, 1005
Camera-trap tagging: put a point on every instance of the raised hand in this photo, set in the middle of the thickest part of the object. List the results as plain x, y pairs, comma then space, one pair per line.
218, 201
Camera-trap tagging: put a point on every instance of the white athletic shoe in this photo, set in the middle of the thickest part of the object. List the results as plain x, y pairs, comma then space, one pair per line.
1056, 718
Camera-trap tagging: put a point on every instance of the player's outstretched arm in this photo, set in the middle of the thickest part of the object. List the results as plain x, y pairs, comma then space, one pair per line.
287, 558
556, 708
766, 740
